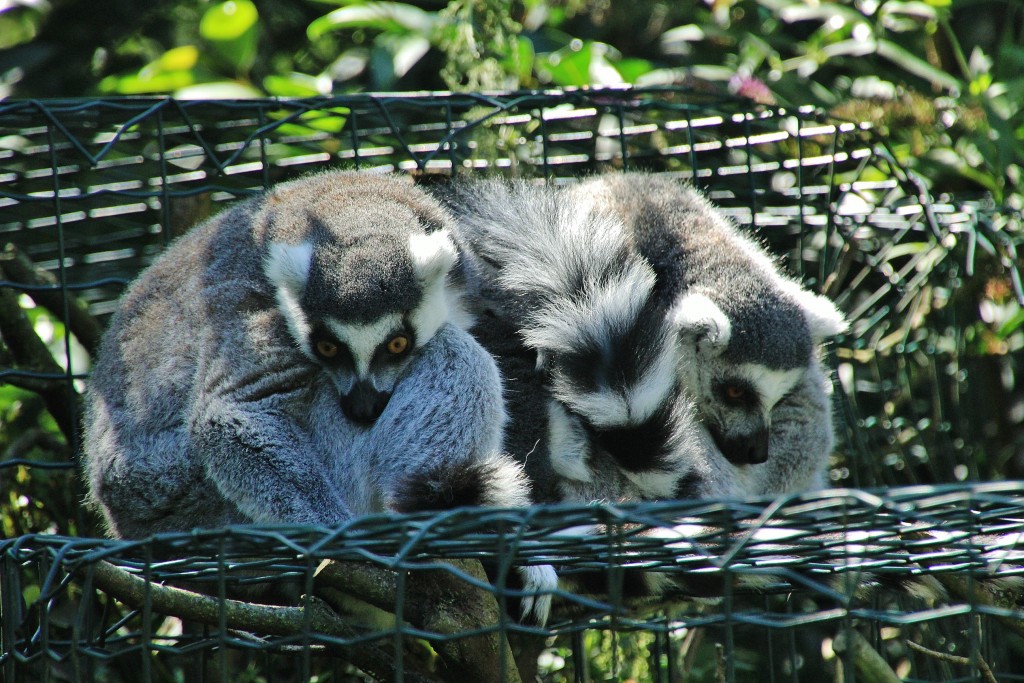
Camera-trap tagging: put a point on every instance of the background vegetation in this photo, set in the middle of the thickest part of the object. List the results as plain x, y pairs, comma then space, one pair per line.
943, 81
945, 77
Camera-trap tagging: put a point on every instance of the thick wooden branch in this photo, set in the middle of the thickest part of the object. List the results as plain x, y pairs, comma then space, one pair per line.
870, 665
17, 267
436, 601
374, 658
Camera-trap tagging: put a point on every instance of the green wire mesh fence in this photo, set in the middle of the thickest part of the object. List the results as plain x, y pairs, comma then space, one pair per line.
821, 585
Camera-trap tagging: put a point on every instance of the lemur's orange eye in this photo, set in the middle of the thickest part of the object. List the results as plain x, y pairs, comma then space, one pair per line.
326, 349
398, 344
735, 392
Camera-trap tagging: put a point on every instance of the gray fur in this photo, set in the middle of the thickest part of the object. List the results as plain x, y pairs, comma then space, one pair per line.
208, 405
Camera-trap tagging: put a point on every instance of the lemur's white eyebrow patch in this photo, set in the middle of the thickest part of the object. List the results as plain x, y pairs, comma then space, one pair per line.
363, 340
771, 385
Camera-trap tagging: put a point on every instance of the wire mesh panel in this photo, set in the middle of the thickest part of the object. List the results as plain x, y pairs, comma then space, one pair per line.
825, 585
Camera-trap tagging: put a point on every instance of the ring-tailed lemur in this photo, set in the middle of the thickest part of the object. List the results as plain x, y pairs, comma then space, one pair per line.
300, 358
638, 302
568, 310
651, 381
749, 336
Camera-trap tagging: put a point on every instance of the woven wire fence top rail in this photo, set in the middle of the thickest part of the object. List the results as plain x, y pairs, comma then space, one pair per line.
100, 164
788, 575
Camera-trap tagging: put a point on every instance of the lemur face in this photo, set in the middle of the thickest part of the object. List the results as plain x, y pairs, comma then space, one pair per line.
735, 404
365, 355
363, 360
737, 371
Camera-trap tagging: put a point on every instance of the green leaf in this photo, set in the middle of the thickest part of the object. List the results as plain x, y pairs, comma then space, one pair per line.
1015, 322
632, 69
144, 83
919, 11
915, 65
568, 66
228, 21
232, 29
218, 90
181, 58
297, 85
526, 55
393, 17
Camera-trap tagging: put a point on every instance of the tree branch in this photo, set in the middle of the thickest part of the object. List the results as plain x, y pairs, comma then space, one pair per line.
370, 657
869, 664
436, 601
18, 268
983, 667
30, 353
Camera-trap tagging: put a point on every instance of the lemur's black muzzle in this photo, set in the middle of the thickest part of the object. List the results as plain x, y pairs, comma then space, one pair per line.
364, 403
746, 449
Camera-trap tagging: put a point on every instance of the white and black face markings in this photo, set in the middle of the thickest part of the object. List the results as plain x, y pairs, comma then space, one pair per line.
364, 352
757, 387
745, 398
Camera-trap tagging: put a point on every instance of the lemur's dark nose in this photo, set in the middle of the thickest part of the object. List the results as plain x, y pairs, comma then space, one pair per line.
364, 403
745, 449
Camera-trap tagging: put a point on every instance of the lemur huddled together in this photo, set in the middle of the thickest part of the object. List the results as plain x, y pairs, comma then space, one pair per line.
348, 343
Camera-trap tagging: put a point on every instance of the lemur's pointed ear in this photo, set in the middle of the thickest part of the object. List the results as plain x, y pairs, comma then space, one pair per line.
433, 254
699, 320
287, 266
823, 318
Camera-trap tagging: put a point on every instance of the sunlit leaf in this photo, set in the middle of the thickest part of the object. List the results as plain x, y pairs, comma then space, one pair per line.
178, 59
920, 11
915, 65
1015, 323
229, 20
407, 51
632, 69
568, 66
218, 90
526, 56
678, 40
823, 12
160, 82
232, 29
297, 85
383, 16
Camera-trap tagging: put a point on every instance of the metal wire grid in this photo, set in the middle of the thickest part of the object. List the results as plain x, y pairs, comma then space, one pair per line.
824, 546
91, 191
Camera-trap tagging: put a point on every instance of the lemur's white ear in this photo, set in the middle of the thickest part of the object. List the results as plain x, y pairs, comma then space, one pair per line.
433, 254
698, 318
823, 318
287, 266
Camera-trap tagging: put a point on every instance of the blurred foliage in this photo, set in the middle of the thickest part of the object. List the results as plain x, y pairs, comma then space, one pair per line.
941, 81
944, 79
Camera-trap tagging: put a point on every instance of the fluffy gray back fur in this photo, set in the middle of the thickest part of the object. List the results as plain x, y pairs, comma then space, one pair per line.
693, 248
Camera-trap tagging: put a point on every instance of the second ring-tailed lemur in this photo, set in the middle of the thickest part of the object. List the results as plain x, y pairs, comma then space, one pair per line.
675, 360
659, 383
300, 358
749, 336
